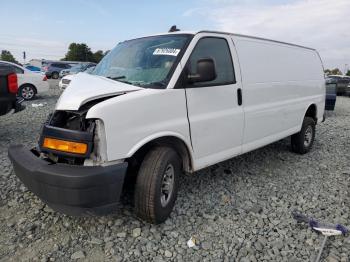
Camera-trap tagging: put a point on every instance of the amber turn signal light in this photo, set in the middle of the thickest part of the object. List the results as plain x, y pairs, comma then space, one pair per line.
65, 146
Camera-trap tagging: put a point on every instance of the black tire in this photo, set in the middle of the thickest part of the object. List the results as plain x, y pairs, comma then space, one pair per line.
151, 203
302, 142
27, 92
55, 75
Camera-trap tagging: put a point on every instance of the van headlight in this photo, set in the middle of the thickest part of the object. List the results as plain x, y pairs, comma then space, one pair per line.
65, 146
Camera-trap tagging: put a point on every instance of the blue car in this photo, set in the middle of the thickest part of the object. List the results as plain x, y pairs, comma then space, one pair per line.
33, 68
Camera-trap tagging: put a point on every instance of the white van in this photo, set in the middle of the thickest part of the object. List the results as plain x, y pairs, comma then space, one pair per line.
159, 106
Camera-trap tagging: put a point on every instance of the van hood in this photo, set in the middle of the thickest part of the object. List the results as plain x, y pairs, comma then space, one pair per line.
84, 88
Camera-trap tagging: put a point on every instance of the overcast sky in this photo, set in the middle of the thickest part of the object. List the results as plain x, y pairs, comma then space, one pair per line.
44, 29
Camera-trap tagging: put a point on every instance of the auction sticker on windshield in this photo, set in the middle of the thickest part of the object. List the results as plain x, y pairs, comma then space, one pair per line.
166, 51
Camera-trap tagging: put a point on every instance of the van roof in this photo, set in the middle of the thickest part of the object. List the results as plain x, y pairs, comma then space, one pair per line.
239, 35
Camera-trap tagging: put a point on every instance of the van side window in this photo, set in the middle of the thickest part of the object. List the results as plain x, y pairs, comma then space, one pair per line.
219, 51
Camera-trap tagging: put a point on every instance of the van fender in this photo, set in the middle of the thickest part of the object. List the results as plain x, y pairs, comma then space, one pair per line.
304, 114
157, 135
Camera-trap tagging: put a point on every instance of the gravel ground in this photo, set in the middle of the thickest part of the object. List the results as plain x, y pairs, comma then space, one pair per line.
239, 210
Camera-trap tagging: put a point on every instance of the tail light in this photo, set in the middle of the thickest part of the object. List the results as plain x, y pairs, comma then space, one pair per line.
45, 78
12, 83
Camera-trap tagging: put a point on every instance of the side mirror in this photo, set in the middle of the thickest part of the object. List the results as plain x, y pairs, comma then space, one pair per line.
205, 71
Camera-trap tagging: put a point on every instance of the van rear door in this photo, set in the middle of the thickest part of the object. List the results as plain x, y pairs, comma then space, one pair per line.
215, 116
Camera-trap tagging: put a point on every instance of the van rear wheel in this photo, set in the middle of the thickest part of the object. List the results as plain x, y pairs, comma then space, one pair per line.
302, 142
157, 185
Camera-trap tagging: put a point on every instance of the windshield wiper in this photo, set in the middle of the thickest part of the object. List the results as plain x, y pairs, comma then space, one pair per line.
155, 85
116, 77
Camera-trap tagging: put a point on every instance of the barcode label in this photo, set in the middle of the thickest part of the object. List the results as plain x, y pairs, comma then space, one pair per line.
166, 51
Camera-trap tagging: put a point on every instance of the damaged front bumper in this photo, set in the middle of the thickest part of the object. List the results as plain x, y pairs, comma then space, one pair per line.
70, 189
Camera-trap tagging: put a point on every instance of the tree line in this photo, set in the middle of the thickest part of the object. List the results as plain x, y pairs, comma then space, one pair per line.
335, 71
7, 56
76, 52
82, 52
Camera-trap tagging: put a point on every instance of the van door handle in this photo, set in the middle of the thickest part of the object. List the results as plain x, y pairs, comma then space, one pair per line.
239, 96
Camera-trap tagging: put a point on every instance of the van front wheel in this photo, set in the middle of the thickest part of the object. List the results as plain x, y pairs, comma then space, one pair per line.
157, 184
302, 142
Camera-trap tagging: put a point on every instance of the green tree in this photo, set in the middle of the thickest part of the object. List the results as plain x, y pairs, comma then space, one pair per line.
327, 72
7, 56
98, 55
336, 71
79, 52
348, 73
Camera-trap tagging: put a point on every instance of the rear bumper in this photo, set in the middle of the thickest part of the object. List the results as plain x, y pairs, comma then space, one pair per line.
330, 101
73, 190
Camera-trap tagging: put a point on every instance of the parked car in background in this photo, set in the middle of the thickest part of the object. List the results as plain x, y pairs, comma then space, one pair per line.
33, 68
342, 83
81, 67
29, 83
347, 90
89, 70
65, 81
8, 91
52, 70
159, 106
331, 94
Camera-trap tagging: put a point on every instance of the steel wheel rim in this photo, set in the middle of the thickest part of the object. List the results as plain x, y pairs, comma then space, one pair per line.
167, 186
308, 136
27, 92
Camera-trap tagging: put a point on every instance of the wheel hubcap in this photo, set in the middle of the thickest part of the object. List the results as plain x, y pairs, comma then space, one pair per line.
27, 92
167, 185
308, 136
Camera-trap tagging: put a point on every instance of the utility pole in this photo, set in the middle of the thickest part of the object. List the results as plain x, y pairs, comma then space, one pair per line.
24, 57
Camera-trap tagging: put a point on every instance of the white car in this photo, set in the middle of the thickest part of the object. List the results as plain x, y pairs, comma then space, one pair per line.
159, 106
29, 83
65, 81
75, 69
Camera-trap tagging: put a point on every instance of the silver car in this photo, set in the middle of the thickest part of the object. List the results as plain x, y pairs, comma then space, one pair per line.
81, 67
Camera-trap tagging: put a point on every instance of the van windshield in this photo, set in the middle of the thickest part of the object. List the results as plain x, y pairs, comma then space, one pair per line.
147, 62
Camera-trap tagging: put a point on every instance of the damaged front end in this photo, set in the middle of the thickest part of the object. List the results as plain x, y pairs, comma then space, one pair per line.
68, 170
68, 137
